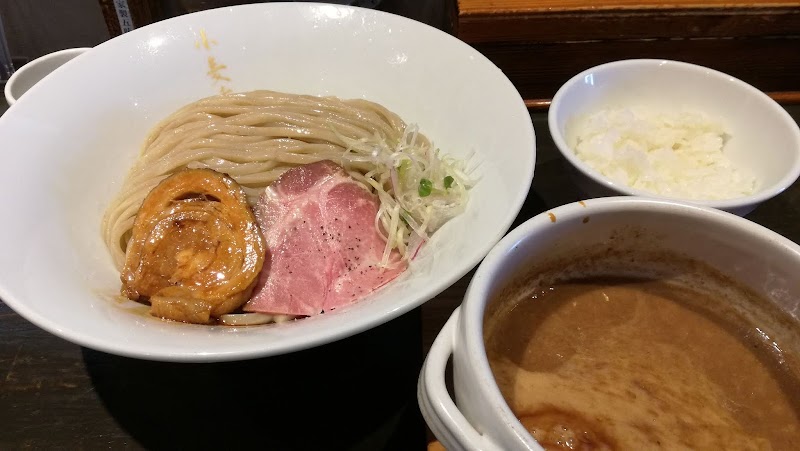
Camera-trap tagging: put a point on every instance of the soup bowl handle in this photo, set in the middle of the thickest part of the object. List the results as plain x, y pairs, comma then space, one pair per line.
444, 418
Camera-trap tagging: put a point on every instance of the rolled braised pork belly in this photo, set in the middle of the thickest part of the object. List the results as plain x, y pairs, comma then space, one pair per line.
196, 249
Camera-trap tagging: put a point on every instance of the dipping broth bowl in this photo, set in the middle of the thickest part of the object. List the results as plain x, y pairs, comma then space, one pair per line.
479, 418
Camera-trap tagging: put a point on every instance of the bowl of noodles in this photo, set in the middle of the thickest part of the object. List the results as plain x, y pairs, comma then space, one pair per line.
255, 180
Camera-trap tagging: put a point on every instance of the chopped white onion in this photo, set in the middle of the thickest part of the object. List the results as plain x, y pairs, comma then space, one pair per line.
677, 154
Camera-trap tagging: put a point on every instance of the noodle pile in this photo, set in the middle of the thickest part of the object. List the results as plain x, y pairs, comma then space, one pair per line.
255, 136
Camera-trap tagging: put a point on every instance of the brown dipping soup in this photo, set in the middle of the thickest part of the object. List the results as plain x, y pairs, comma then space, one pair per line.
675, 356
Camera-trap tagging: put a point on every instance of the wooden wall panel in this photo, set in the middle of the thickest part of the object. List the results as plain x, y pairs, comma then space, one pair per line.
540, 44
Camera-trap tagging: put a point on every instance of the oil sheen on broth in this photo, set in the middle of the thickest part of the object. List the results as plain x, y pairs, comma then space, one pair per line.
631, 363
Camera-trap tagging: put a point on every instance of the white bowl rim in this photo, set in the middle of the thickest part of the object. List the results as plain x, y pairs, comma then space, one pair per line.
762, 195
476, 298
330, 335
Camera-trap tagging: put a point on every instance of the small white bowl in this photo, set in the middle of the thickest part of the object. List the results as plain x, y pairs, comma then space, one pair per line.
764, 139
34, 71
479, 418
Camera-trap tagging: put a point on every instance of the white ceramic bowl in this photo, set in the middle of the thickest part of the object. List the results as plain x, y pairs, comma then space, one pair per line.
69, 141
479, 419
34, 71
764, 138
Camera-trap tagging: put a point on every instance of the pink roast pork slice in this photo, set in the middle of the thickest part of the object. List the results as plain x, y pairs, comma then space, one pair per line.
323, 249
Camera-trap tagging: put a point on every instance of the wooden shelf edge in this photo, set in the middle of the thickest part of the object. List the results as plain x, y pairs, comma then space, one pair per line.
562, 26
482, 7
782, 97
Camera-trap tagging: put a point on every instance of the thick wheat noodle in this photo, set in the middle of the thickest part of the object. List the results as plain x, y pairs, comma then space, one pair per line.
254, 137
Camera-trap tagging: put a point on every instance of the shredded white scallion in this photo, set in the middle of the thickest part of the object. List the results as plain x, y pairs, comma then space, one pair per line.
419, 188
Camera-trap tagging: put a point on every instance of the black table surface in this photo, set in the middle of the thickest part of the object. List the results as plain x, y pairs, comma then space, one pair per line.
358, 393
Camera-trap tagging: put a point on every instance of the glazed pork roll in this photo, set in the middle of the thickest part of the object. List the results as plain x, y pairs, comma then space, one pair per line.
196, 250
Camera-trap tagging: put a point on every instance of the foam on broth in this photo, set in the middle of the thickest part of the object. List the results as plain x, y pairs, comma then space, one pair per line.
644, 351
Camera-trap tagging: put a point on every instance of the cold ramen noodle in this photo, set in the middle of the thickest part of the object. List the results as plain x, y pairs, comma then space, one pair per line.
261, 206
